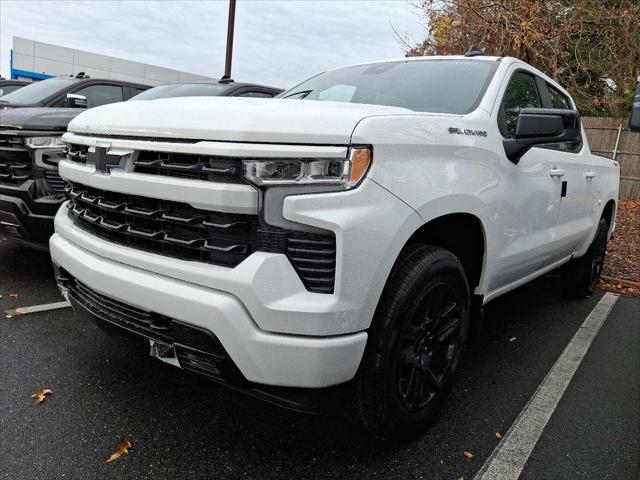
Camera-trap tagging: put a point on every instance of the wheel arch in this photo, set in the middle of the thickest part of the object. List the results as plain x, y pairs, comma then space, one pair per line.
609, 214
461, 233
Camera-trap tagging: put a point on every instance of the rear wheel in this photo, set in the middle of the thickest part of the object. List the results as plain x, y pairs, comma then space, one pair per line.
581, 275
416, 342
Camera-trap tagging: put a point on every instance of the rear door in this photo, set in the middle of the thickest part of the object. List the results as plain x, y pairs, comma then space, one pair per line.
576, 208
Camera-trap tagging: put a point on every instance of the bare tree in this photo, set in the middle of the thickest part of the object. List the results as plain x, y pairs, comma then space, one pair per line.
591, 47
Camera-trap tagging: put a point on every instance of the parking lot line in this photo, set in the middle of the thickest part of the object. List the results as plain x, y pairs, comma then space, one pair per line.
510, 456
37, 308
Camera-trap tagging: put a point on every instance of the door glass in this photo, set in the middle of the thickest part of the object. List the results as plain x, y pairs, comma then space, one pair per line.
558, 100
522, 92
101, 95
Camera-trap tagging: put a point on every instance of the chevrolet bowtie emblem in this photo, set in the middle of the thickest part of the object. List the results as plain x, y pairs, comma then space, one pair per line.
102, 158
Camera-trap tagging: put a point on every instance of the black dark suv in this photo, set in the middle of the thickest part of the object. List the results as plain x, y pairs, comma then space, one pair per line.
31, 147
32, 121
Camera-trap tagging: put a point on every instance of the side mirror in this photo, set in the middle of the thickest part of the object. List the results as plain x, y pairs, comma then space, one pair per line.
540, 126
634, 118
75, 101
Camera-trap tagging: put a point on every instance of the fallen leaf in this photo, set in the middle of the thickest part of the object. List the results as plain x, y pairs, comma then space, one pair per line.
468, 454
13, 295
40, 394
123, 447
512, 339
498, 435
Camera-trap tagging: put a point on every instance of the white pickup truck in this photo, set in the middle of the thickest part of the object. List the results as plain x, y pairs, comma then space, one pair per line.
335, 244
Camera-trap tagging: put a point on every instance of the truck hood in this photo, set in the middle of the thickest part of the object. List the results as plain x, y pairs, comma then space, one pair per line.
50, 119
231, 119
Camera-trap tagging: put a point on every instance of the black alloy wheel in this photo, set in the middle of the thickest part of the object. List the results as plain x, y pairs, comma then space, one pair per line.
428, 345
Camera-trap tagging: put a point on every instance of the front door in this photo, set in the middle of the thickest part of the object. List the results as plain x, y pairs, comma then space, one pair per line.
530, 207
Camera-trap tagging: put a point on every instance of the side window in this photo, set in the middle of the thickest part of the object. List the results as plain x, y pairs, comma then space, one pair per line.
558, 100
256, 95
521, 92
101, 94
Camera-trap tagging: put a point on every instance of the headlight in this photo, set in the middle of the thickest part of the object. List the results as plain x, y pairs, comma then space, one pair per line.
340, 171
44, 142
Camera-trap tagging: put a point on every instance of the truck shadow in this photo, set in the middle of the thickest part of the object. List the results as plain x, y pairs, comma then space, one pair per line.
524, 333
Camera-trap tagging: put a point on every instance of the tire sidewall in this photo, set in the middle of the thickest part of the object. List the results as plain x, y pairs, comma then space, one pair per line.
431, 266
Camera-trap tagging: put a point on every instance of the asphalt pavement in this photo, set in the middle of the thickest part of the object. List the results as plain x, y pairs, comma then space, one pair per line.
107, 389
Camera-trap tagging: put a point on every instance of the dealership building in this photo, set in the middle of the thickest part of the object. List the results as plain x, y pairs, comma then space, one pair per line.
31, 60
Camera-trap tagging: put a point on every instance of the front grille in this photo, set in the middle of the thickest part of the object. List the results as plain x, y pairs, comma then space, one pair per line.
181, 231
181, 165
164, 227
196, 167
15, 161
77, 153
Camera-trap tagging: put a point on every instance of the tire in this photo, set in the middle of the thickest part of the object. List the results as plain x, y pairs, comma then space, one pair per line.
581, 275
416, 342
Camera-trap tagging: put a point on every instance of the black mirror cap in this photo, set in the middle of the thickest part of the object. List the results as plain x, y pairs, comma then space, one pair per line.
634, 118
540, 126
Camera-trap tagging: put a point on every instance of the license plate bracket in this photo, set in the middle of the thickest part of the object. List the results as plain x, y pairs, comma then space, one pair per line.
164, 352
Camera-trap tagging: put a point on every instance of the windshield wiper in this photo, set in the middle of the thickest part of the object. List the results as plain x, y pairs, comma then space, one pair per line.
303, 94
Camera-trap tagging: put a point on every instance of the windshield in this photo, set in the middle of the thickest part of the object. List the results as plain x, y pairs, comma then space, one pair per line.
439, 86
37, 91
183, 90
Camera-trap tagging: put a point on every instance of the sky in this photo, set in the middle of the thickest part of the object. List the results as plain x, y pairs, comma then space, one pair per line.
278, 43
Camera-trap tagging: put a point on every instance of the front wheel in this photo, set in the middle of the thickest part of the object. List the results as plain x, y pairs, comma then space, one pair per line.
416, 342
581, 275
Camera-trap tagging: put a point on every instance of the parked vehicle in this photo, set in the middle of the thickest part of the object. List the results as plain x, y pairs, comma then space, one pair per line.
31, 190
219, 88
332, 244
80, 91
30, 143
8, 86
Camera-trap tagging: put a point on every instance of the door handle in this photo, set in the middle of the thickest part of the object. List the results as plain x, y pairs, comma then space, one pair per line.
556, 173
589, 175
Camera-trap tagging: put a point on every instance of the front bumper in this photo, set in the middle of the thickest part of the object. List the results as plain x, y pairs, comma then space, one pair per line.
370, 225
261, 357
27, 209
19, 221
